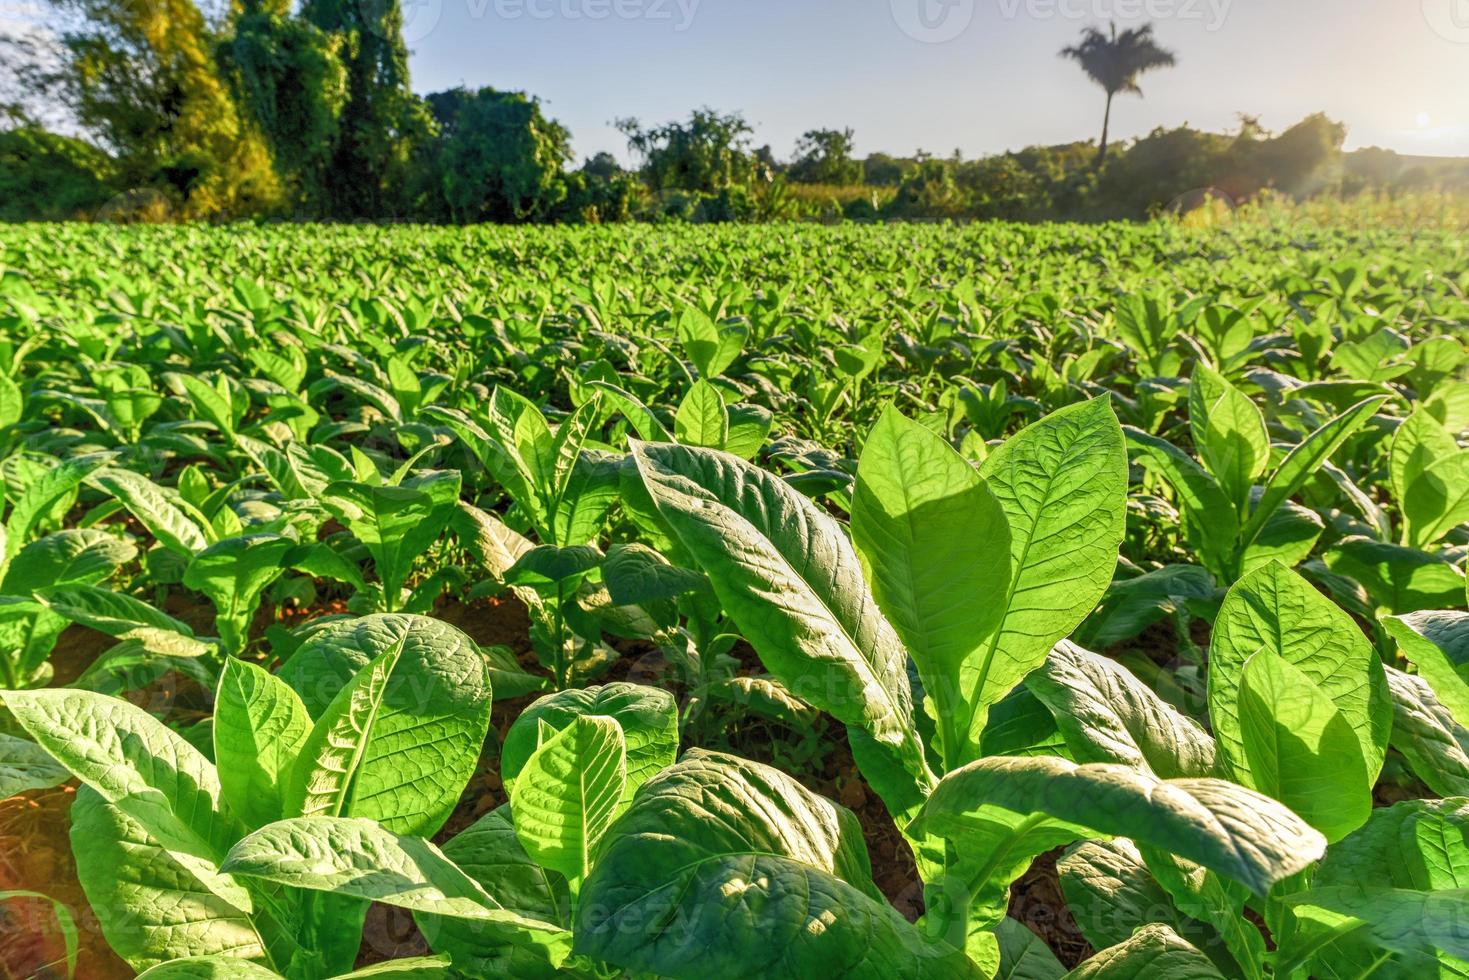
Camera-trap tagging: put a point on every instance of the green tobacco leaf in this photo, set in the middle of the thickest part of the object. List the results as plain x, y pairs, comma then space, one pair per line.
1434, 744
490, 853
328, 759
1437, 501
647, 716
233, 574
1155, 952
934, 586
1411, 922
749, 427
548, 566
1415, 844
1212, 522
41, 497
645, 421
208, 403
75, 556
1108, 715
1289, 537
395, 524
1229, 431
25, 766
1234, 943
1062, 483
636, 574
720, 868
150, 907
359, 859
136, 764
756, 537
259, 727
406, 968
1222, 826
415, 724
1276, 611
1299, 748
1411, 849
1112, 894
1303, 462
209, 968
1132, 605
1420, 441
1400, 580
1024, 955
702, 419
163, 512
568, 793
1437, 643
711, 347
113, 613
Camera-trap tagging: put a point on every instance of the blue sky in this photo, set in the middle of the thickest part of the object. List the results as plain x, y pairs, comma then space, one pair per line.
1396, 71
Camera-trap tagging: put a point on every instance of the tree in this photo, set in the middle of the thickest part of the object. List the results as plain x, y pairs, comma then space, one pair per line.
824, 156
289, 77
141, 77
1115, 63
497, 157
708, 154
381, 119
48, 177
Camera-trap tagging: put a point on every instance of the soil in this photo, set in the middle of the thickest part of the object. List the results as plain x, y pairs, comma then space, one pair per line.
35, 855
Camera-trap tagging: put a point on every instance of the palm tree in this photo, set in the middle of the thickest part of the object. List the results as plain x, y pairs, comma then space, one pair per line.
1115, 63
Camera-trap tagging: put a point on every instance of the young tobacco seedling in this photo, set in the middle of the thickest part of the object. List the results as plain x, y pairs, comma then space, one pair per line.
1230, 522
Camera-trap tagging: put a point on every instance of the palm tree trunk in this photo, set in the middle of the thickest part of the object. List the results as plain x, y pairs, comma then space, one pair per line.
1106, 127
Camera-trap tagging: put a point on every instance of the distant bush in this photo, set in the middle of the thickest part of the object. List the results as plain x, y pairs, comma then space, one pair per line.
48, 177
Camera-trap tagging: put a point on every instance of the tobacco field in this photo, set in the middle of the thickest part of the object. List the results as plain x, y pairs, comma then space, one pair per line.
918, 601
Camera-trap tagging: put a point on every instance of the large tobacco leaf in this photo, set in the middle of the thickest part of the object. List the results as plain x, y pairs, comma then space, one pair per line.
402, 707
1062, 484
935, 545
1108, 715
1222, 826
1274, 613
788, 576
722, 867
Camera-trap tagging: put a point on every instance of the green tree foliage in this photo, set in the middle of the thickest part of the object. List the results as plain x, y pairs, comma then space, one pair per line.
288, 75
1115, 63
49, 177
601, 191
497, 158
1299, 161
884, 170
824, 156
141, 76
381, 120
707, 154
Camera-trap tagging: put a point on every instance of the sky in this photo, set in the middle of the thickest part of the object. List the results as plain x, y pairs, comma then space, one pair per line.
981, 76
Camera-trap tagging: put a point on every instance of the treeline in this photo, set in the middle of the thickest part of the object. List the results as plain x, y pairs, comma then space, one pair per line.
277, 110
